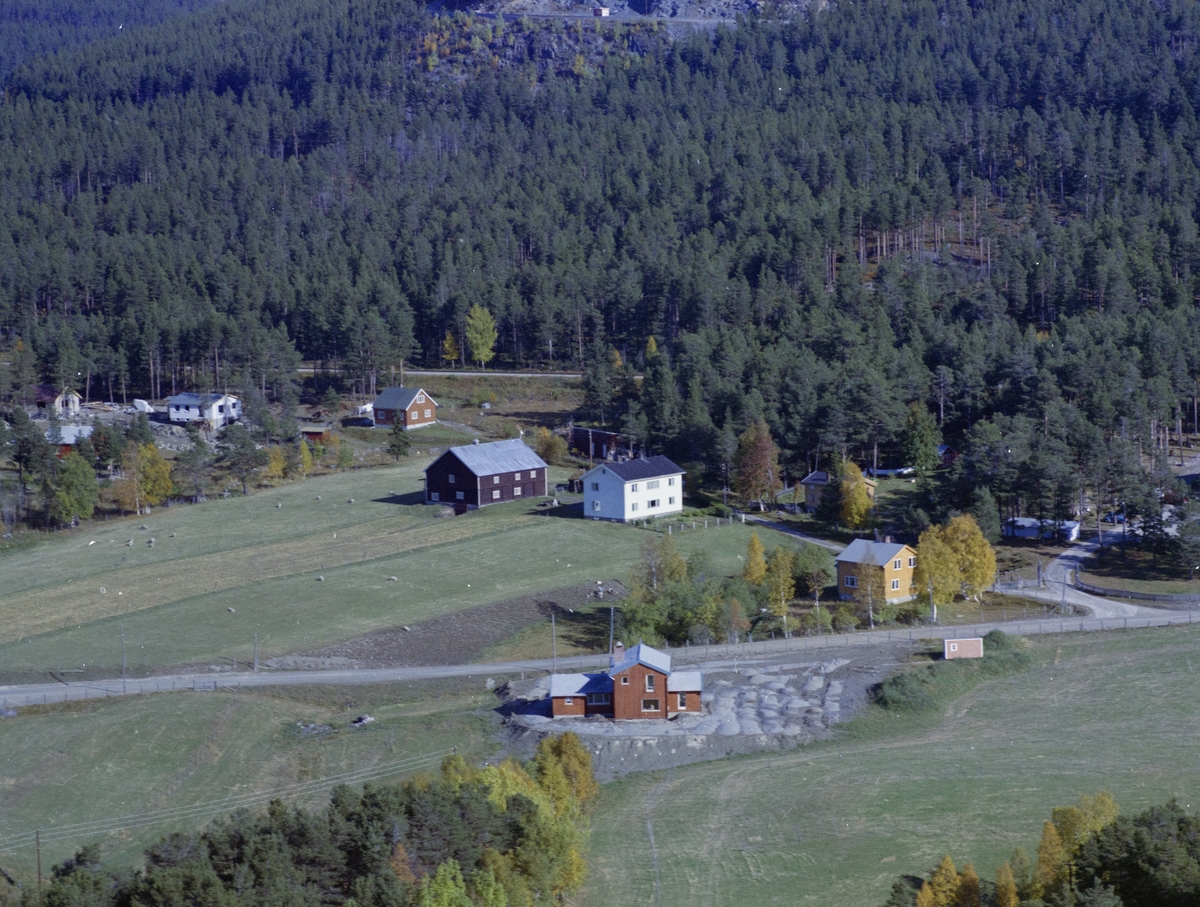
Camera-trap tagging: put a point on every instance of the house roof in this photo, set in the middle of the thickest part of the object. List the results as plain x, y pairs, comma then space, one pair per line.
48, 393
197, 399
71, 434
579, 684
816, 477
943, 449
646, 468
399, 397
498, 456
860, 551
685, 682
644, 655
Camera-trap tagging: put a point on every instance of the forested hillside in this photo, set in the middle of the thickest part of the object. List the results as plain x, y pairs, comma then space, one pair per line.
30, 28
985, 209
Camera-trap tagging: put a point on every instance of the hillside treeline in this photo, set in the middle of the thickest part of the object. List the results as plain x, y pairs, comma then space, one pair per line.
988, 210
501, 836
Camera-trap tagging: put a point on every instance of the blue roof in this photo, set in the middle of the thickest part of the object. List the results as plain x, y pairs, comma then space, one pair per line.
644, 655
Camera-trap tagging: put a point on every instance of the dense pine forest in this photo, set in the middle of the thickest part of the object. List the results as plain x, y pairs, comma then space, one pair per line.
987, 210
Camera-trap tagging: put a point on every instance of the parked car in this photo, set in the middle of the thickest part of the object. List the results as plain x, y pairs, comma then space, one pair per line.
1112, 517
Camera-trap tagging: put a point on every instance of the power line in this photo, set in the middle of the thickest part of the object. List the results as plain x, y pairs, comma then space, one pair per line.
225, 804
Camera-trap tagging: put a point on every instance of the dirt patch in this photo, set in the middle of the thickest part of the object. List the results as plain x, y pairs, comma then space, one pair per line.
749, 705
464, 636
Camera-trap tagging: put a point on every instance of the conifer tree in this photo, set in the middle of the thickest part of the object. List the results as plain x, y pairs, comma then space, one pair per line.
1006, 887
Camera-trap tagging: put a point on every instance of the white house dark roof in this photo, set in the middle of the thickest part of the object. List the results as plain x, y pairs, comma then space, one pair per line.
860, 551
498, 456
197, 399
644, 655
579, 684
399, 397
685, 682
647, 468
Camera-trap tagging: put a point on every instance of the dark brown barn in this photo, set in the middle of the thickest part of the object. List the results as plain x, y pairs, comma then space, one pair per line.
476, 475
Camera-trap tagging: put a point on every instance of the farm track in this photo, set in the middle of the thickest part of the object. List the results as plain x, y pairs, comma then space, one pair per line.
41, 610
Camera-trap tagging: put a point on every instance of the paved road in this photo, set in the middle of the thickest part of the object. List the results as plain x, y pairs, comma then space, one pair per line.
37, 694
794, 533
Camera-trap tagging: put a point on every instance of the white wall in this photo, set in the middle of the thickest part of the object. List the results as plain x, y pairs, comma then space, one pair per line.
606, 496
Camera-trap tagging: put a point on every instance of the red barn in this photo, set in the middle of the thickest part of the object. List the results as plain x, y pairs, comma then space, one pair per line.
476, 475
639, 684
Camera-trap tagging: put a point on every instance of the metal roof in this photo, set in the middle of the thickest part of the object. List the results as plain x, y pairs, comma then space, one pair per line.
860, 551
644, 655
71, 434
816, 477
498, 456
190, 399
399, 397
579, 684
637, 470
685, 682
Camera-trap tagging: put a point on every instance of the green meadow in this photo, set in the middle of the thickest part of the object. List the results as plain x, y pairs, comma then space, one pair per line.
65, 601
835, 823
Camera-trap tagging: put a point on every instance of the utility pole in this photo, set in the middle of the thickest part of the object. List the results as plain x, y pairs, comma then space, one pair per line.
932, 605
37, 836
553, 643
122, 659
255, 653
612, 619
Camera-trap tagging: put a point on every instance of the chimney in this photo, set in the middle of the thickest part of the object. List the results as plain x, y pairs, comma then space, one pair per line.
476, 442
618, 655
888, 539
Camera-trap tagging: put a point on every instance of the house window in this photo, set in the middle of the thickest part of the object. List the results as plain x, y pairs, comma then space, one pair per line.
426, 414
434, 496
649, 683
683, 700
633, 506
650, 705
516, 491
595, 486
670, 481
625, 680
495, 480
595, 505
670, 500
599, 698
652, 484
458, 495
896, 564
912, 562
633, 487
650, 505
496, 495
895, 585
953, 647
450, 478
569, 700
851, 581
413, 414
420, 398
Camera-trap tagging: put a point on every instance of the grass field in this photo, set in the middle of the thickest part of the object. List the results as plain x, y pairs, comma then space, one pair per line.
127, 757
65, 600
1136, 571
834, 823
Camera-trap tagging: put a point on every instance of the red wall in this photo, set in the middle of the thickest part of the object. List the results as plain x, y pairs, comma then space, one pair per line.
627, 698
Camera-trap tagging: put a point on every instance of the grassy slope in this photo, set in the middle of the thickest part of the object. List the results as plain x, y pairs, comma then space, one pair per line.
127, 757
834, 824
245, 553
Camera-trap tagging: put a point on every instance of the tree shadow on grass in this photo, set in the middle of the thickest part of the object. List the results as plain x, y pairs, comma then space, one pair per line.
570, 511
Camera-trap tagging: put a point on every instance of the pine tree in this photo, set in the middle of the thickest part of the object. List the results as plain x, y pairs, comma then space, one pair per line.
754, 571
921, 440
398, 442
944, 883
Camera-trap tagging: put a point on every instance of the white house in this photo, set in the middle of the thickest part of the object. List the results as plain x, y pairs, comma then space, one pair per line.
217, 410
633, 490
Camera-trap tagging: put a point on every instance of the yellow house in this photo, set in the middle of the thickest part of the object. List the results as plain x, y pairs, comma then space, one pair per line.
883, 570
